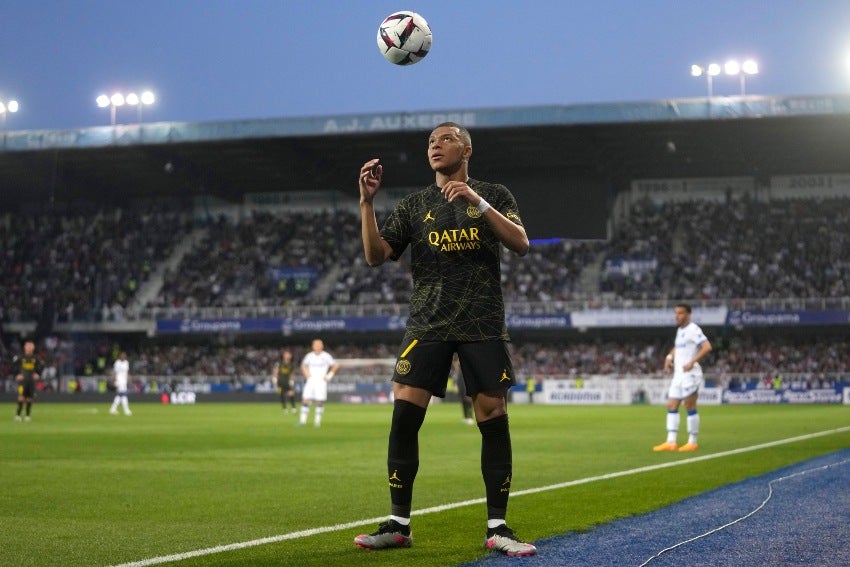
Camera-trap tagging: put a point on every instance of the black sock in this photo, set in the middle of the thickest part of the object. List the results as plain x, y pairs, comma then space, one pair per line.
467, 408
496, 465
403, 455
29, 405
20, 407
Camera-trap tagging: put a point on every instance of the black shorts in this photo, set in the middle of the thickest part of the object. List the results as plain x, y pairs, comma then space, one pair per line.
26, 389
486, 365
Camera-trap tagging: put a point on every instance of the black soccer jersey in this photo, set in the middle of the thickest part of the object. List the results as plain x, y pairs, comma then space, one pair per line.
284, 372
457, 293
27, 365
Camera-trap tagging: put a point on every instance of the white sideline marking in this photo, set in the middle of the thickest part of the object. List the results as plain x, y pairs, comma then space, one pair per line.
441, 508
683, 462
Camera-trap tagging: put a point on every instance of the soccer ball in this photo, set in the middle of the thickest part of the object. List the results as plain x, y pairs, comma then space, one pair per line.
404, 38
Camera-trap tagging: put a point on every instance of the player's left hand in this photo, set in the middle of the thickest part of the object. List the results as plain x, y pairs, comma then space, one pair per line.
460, 190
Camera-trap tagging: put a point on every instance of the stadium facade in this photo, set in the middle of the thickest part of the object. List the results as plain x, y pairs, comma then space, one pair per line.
576, 170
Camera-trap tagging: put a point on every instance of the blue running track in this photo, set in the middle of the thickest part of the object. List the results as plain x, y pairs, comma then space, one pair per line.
799, 515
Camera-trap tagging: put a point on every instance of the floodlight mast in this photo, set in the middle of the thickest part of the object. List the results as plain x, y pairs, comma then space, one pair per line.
731, 67
118, 99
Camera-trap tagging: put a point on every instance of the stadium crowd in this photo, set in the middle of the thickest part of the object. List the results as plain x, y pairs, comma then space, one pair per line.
83, 266
744, 249
89, 265
233, 265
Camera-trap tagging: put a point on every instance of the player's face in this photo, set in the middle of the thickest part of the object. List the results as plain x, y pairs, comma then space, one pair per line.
318, 346
446, 149
29, 348
682, 316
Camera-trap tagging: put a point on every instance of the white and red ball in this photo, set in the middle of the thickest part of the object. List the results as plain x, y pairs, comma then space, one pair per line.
404, 38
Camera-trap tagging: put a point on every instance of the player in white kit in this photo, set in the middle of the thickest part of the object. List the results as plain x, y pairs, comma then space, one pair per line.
691, 347
318, 367
121, 374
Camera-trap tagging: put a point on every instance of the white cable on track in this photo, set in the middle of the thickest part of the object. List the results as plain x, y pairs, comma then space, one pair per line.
742, 518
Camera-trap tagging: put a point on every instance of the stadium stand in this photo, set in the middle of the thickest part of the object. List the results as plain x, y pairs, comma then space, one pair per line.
769, 238
742, 249
91, 265
83, 266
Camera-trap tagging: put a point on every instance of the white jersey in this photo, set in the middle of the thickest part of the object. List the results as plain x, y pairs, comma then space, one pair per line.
122, 372
318, 365
688, 340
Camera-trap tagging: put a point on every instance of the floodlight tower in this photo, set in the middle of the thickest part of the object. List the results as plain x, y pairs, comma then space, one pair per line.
710, 71
731, 67
119, 99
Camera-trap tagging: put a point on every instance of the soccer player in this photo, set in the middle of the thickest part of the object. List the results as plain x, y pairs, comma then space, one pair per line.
27, 367
121, 376
318, 367
690, 348
454, 228
282, 378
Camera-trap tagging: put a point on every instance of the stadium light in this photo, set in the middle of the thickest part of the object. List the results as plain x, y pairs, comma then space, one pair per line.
7, 108
711, 71
131, 99
748, 67
731, 67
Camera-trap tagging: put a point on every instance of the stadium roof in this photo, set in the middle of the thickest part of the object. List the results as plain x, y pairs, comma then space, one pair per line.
721, 136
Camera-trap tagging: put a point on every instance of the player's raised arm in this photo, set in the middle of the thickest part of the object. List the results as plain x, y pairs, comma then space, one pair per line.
377, 249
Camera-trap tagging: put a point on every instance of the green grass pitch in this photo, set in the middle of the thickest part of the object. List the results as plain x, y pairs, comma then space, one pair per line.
82, 487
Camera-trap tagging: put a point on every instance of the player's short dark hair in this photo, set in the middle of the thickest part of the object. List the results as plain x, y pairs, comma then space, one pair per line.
464, 133
685, 306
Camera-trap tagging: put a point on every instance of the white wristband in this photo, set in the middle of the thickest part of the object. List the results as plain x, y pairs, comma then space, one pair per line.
669, 357
482, 206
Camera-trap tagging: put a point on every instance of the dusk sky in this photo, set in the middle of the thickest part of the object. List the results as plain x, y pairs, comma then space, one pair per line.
210, 60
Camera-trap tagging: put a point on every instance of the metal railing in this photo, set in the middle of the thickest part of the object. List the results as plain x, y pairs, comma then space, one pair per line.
511, 307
